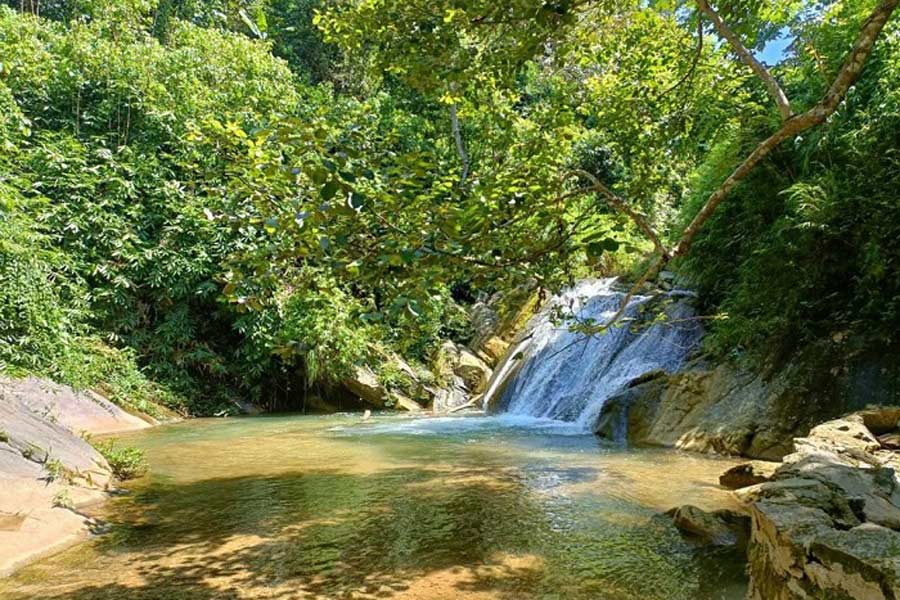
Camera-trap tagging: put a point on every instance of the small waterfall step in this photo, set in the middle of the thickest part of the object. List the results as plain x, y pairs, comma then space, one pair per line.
567, 376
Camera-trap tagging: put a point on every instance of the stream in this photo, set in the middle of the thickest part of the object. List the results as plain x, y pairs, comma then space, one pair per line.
507, 507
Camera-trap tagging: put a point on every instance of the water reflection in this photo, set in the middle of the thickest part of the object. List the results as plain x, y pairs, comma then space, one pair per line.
329, 508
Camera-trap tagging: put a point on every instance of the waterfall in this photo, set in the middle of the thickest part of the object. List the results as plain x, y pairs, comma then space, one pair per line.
567, 376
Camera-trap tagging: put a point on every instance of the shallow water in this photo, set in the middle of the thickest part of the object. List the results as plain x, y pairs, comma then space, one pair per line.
330, 507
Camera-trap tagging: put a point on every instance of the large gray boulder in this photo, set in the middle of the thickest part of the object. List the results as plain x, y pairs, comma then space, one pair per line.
828, 524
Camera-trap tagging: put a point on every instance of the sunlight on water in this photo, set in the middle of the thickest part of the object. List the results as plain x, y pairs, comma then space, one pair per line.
503, 507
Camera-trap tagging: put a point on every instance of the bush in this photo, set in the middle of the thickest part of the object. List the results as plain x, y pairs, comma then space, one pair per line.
126, 462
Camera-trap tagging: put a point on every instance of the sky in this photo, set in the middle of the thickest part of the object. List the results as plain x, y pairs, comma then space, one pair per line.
775, 50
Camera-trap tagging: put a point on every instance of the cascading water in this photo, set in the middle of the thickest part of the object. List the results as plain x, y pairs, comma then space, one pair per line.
567, 376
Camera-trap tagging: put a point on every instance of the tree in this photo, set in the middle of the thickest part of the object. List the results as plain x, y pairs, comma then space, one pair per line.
474, 42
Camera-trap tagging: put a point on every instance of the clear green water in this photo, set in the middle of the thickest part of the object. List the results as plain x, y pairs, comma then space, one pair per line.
330, 507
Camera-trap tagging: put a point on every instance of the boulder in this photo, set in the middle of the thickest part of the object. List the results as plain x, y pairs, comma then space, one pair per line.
828, 523
472, 370
450, 398
881, 419
492, 350
365, 385
717, 528
405, 403
890, 441
747, 474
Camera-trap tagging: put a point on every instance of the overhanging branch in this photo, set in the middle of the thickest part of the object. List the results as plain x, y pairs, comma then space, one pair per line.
778, 95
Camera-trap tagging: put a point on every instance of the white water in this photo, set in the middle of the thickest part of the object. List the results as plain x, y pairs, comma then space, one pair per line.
567, 376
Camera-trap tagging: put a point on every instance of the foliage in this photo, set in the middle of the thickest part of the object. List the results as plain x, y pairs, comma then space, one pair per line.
807, 248
63, 499
205, 200
126, 462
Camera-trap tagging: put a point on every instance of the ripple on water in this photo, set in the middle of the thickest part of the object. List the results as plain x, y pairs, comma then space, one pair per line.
330, 507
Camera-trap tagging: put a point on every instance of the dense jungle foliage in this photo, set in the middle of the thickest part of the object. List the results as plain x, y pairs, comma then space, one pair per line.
209, 199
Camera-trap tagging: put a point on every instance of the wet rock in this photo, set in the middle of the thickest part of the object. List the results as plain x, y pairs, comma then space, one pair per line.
721, 410
717, 528
631, 414
747, 474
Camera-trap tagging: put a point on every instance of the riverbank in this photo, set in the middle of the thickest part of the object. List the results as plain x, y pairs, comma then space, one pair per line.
48, 471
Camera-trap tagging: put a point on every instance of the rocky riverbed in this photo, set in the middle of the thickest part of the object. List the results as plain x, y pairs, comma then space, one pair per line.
825, 523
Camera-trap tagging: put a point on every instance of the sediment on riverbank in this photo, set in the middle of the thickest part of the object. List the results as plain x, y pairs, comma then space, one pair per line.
48, 471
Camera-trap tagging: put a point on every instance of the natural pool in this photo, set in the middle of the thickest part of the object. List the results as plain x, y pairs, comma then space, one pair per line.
397, 507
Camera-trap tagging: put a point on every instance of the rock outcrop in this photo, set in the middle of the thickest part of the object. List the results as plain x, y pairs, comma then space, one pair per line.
364, 384
724, 410
828, 523
718, 528
47, 469
747, 474
496, 321
462, 374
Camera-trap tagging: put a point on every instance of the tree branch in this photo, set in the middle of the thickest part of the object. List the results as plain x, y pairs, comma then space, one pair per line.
619, 204
778, 95
693, 68
460, 145
818, 114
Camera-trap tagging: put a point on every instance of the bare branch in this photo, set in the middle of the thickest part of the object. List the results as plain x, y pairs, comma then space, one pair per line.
778, 95
649, 274
460, 145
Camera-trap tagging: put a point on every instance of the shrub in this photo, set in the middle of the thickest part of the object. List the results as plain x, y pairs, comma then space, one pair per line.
126, 462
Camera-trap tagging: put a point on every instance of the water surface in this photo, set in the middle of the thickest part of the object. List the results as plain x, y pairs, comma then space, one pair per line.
398, 507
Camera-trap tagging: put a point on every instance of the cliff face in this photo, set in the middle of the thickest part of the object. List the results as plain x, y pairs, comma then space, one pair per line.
725, 409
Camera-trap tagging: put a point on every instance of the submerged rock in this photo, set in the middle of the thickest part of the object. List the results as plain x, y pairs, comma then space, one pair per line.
747, 474
718, 528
